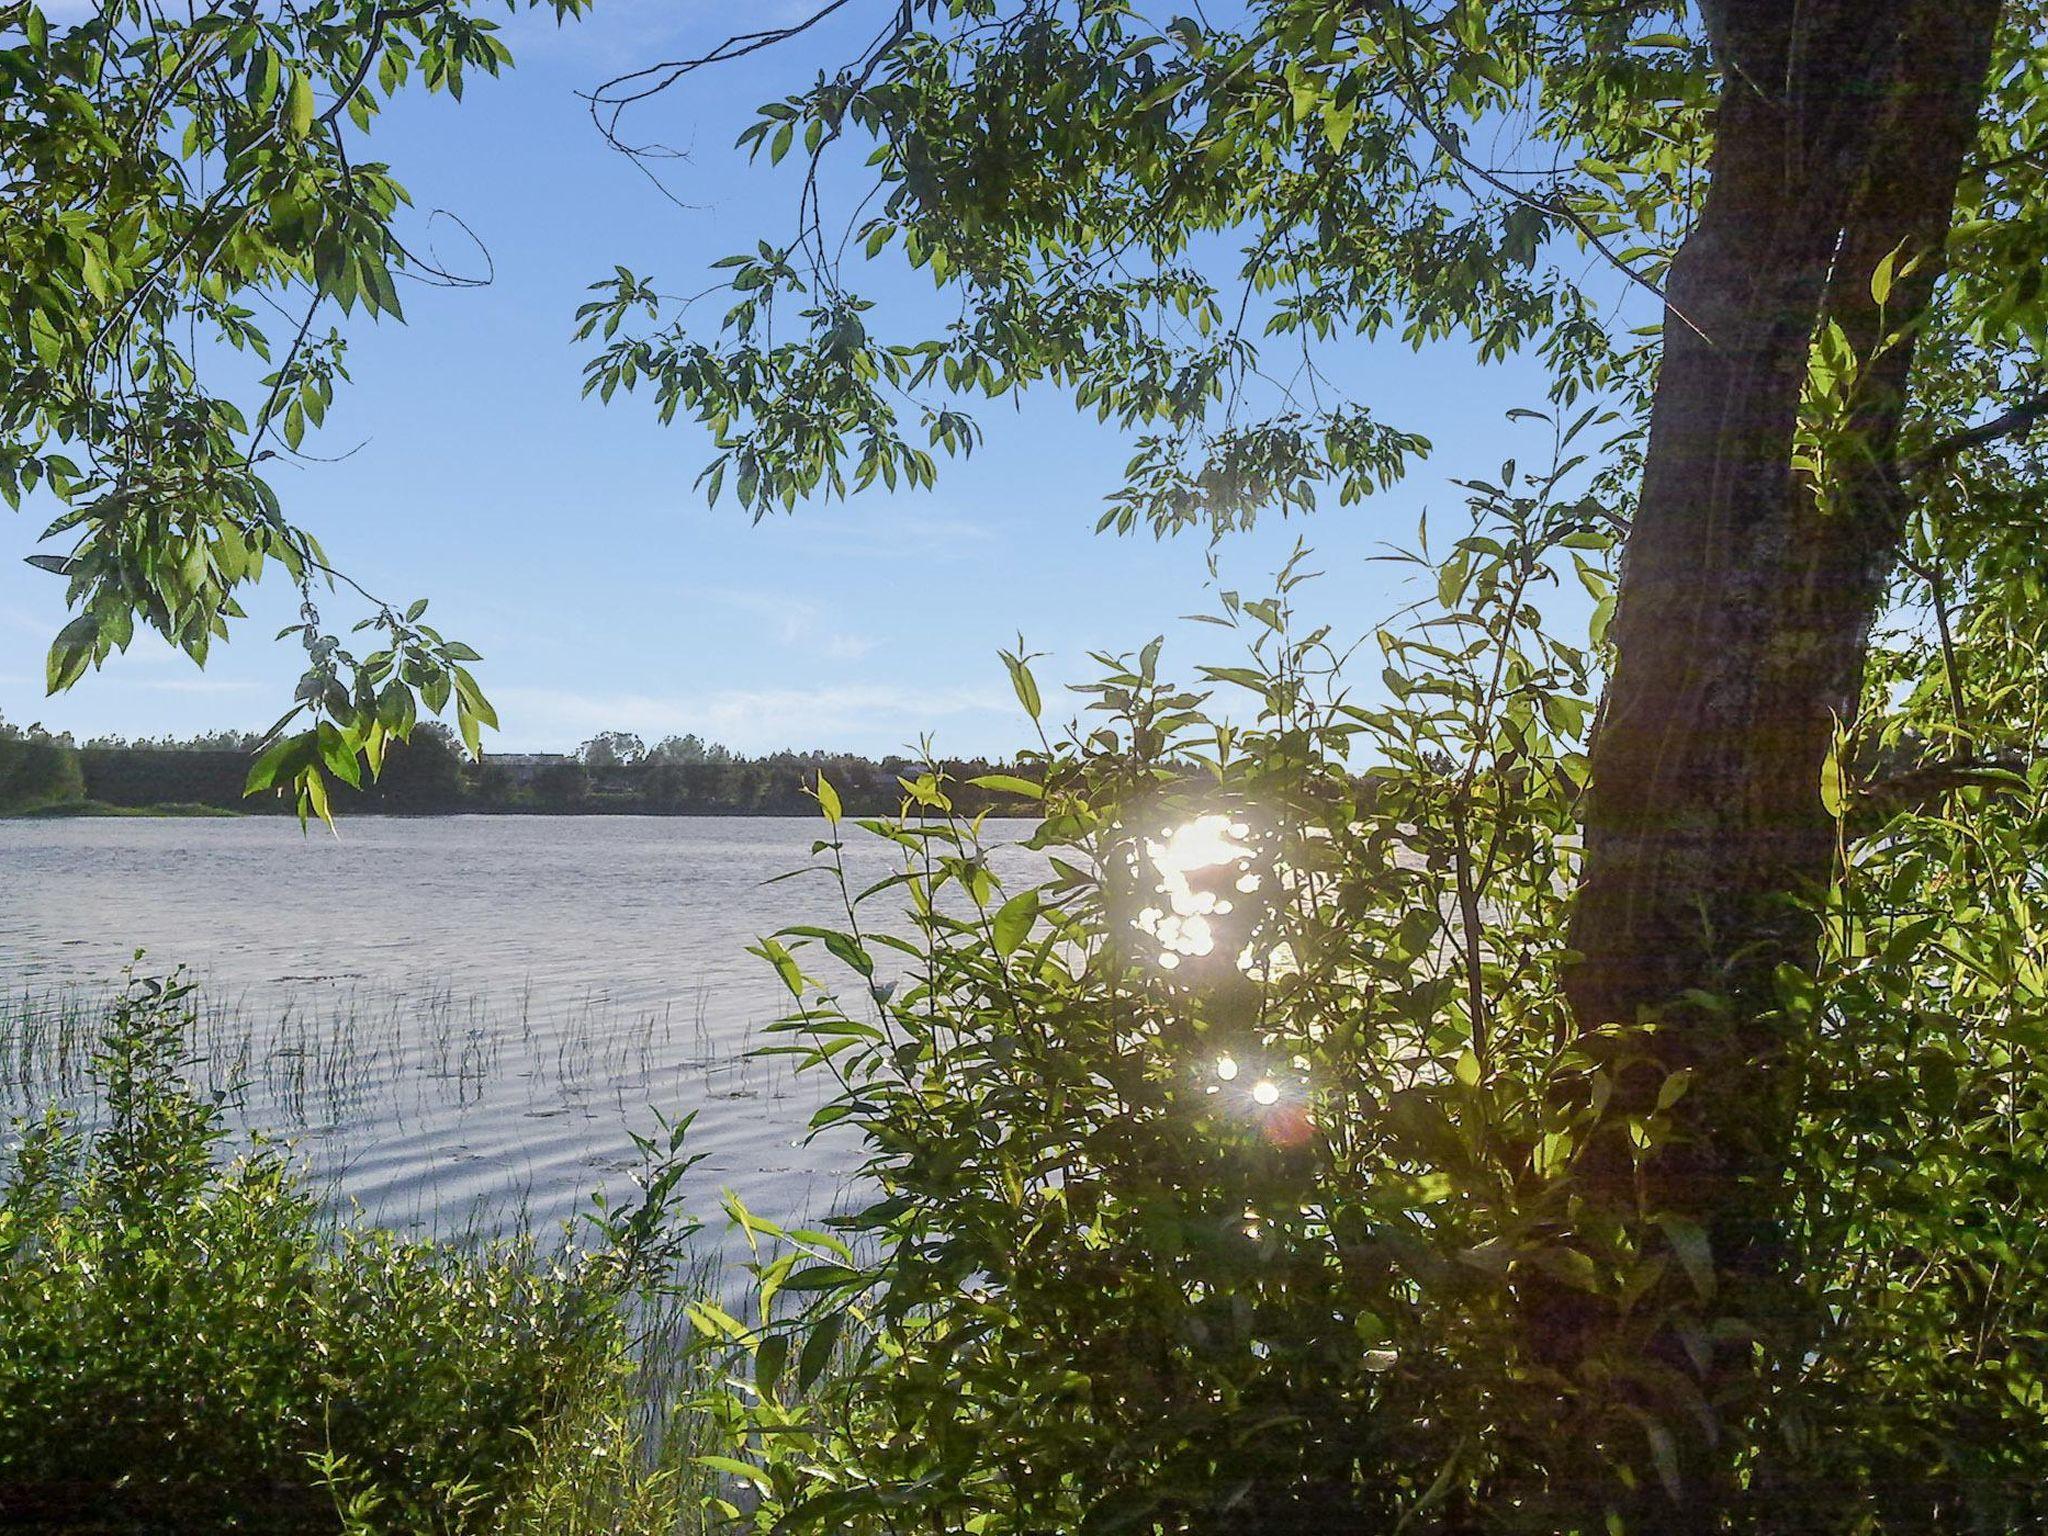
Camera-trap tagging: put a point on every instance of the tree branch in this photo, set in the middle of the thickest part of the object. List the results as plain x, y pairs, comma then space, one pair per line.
2011, 424
1877, 802
637, 85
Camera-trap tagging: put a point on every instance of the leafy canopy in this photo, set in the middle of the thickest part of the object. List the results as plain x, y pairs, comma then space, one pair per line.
186, 196
1181, 220
1174, 220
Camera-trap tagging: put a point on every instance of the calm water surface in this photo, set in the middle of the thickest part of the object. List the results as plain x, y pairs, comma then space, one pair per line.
454, 1017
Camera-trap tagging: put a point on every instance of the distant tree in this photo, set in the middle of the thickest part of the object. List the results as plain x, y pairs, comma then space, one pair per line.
203, 741
689, 750
489, 783
424, 772
219, 741
665, 785
562, 784
33, 731
612, 749
38, 769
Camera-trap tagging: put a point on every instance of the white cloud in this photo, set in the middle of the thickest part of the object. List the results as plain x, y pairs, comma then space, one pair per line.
797, 623
205, 685
848, 647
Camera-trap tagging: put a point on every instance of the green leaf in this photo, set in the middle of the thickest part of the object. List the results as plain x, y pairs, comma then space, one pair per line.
1663, 1450
299, 104
313, 795
338, 755
1567, 1264
1008, 784
1025, 684
821, 1277
817, 1350
71, 652
1689, 1242
1013, 921
1882, 277
828, 799
280, 760
784, 962
768, 1361
844, 947
736, 1467
1337, 124
1834, 790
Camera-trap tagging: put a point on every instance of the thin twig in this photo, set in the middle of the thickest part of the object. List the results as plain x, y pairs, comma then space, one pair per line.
1937, 588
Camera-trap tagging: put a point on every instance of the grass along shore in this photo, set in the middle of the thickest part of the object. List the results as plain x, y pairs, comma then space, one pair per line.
189, 1341
62, 809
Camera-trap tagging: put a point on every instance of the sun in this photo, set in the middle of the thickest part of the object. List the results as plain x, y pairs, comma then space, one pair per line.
1185, 895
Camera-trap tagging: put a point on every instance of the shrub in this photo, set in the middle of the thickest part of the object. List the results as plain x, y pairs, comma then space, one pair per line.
186, 1344
1216, 1172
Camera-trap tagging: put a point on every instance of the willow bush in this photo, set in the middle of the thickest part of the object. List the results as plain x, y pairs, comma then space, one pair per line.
1214, 1174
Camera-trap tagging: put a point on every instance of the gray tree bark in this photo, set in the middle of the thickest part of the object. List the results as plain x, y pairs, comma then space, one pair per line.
1745, 606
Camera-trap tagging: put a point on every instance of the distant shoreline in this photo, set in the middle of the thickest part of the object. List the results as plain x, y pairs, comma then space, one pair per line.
428, 776
93, 810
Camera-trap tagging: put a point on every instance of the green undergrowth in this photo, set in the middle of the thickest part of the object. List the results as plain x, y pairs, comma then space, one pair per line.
188, 1343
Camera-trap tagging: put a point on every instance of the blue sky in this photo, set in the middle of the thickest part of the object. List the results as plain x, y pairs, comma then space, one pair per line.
564, 540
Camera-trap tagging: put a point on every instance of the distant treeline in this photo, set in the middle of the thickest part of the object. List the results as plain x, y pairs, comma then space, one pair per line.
431, 776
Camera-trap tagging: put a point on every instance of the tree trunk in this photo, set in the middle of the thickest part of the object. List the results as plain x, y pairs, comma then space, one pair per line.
1746, 605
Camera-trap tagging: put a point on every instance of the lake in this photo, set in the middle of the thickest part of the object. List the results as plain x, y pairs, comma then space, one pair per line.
460, 1019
